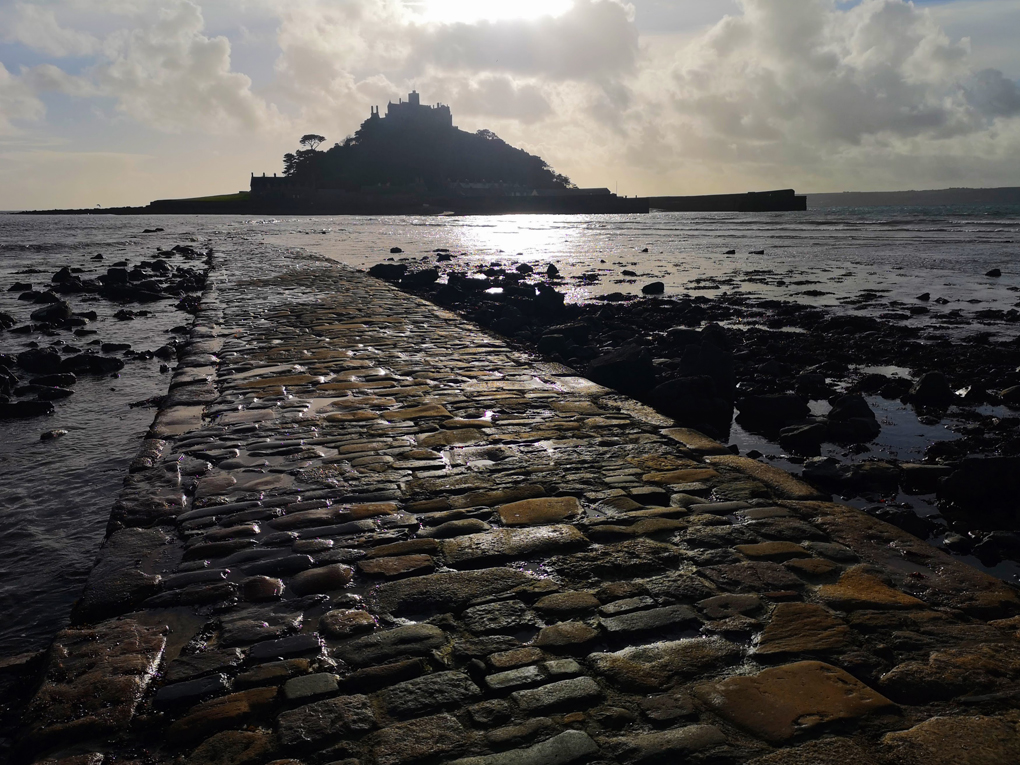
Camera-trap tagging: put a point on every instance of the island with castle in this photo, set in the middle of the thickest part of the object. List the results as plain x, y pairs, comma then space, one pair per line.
413, 160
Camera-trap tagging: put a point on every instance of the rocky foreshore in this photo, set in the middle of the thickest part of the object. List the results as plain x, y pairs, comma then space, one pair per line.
795, 374
60, 312
363, 531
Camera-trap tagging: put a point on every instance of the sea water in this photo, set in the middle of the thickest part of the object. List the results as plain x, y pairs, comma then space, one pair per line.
56, 495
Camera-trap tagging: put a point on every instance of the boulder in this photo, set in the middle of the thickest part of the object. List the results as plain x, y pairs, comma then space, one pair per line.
548, 300
19, 410
115, 276
628, 370
983, 484
932, 390
804, 439
995, 273
655, 288
772, 411
54, 313
851, 420
90, 363
419, 279
65, 379
550, 344
40, 361
391, 272
694, 402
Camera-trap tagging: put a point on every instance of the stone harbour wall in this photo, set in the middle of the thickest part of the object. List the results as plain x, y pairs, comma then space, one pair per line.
363, 531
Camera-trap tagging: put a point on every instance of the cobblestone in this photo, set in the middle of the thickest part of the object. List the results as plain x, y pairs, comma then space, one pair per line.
465, 554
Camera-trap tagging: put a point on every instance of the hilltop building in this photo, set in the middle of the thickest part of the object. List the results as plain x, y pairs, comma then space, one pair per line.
411, 113
414, 160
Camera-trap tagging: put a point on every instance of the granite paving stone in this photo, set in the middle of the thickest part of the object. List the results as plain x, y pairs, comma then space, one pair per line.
363, 530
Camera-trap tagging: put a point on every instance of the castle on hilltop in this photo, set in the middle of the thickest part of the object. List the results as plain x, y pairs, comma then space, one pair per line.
411, 113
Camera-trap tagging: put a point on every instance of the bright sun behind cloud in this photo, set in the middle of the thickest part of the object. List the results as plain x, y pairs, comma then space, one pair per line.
471, 11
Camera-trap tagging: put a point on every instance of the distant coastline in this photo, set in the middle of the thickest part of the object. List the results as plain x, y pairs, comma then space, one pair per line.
1003, 196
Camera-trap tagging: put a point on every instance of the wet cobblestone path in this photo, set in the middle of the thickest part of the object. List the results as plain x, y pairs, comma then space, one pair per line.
364, 532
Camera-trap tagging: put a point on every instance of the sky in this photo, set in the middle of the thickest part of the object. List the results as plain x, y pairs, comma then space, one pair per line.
119, 102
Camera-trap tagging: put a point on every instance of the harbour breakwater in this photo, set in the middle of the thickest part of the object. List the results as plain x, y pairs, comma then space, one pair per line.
362, 530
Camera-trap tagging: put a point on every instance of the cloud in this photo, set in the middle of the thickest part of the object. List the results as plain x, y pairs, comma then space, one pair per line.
161, 70
170, 76
36, 26
594, 40
991, 94
497, 96
18, 103
812, 93
810, 88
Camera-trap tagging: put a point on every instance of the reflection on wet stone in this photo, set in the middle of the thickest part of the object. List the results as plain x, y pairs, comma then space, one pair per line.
397, 540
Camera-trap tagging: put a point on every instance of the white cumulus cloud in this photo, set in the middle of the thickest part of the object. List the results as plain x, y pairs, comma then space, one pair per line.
18, 103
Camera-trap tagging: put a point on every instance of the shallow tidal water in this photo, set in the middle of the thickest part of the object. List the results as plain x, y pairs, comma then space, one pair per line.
56, 495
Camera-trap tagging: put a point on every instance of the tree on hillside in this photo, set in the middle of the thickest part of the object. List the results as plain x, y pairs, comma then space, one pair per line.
311, 141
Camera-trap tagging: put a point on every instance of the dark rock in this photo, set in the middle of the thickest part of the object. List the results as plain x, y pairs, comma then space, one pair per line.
52, 393
114, 277
924, 297
411, 640
803, 439
64, 380
628, 370
909, 521
655, 288
20, 410
437, 593
40, 361
89, 363
552, 271
983, 484
391, 272
548, 300
694, 402
995, 272
851, 420
191, 691
922, 479
1011, 397
285, 648
997, 545
20, 287
6, 320
423, 694
420, 279
117, 581
395, 250
324, 720
932, 390
772, 411
550, 344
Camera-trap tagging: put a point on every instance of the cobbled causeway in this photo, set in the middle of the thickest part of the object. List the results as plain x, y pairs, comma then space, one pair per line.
363, 531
